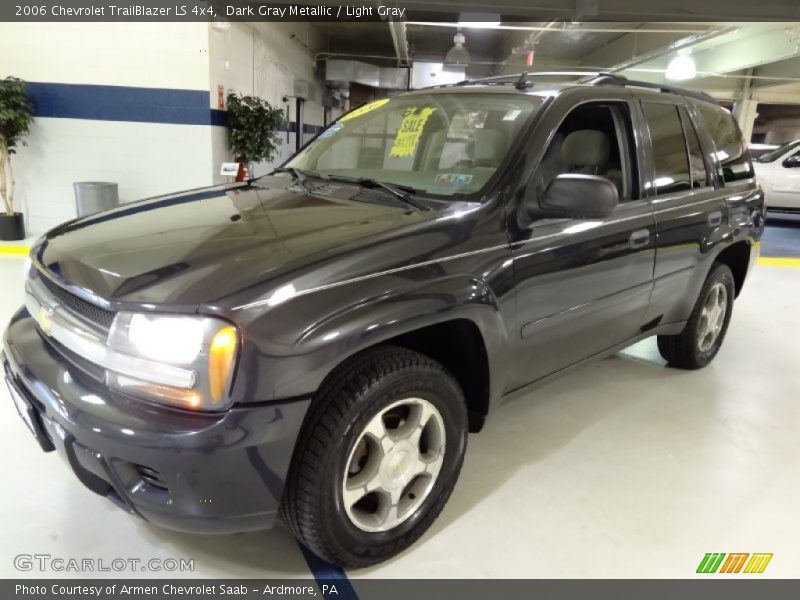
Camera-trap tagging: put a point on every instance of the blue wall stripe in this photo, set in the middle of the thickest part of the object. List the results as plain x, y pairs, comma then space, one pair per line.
119, 103
137, 104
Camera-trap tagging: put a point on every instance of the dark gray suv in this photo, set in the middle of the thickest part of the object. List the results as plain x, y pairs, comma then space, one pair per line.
317, 343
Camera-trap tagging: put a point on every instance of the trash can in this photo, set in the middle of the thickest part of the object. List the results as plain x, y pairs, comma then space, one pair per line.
94, 196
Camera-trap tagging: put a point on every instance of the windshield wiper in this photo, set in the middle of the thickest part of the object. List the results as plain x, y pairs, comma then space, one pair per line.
403, 192
299, 175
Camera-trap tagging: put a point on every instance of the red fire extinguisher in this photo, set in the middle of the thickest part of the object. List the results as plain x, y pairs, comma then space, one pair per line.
243, 174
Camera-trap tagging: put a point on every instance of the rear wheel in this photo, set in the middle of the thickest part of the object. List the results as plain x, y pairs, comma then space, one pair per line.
701, 338
377, 458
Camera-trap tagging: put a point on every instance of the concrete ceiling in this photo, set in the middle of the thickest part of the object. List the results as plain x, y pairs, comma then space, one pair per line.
759, 59
733, 57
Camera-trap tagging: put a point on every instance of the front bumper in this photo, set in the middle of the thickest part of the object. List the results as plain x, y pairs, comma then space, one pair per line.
210, 473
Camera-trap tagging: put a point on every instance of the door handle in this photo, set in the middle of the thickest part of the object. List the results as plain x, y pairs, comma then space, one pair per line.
639, 239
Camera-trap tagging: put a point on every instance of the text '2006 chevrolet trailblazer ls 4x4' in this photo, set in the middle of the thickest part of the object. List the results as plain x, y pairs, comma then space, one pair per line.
317, 343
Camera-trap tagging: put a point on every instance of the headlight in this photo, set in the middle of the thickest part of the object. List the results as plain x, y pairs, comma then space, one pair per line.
199, 354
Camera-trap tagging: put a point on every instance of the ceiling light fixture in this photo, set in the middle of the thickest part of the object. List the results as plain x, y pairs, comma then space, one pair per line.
477, 20
457, 56
681, 67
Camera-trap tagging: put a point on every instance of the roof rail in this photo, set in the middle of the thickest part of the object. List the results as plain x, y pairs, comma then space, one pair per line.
608, 78
523, 79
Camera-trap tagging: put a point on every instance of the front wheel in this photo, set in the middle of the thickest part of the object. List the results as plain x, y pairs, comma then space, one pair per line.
378, 457
701, 338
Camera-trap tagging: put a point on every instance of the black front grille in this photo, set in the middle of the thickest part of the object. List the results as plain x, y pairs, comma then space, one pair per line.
87, 310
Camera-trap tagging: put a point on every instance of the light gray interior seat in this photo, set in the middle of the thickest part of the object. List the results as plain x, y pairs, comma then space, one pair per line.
615, 175
586, 151
433, 150
487, 148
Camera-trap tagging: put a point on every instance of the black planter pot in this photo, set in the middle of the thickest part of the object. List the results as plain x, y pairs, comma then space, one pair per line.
12, 227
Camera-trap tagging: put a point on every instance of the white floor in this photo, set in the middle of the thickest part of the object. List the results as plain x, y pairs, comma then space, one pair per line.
623, 469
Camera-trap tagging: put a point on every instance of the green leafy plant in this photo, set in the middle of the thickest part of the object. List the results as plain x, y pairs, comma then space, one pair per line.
253, 124
16, 116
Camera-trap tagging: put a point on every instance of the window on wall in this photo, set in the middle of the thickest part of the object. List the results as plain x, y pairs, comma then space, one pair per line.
670, 159
696, 163
731, 150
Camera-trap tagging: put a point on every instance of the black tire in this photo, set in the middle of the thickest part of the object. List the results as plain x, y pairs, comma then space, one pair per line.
684, 350
355, 393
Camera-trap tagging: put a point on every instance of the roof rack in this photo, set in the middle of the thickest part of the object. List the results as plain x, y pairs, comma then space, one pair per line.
608, 78
523, 80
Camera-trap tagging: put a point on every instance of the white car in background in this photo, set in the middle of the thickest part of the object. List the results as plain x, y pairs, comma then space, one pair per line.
778, 172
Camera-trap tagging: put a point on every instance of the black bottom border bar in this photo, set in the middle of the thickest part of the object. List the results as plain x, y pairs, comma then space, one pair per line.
710, 587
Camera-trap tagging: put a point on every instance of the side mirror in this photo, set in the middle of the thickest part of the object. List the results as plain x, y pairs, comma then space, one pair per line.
792, 161
575, 196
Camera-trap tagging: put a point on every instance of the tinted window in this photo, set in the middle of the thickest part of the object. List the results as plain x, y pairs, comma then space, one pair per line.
669, 148
778, 152
698, 166
441, 143
731, 151
594, 139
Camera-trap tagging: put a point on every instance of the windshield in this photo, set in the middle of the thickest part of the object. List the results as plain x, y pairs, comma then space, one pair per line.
778, 152
439, 143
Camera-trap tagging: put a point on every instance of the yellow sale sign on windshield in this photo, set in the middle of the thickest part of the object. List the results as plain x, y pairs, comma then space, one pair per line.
364, 109
407, 138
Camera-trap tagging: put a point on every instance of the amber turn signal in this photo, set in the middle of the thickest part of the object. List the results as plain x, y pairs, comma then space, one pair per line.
221, 354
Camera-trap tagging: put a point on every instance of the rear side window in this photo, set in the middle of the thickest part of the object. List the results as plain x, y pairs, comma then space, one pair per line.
672, 172
732, 152
696, 162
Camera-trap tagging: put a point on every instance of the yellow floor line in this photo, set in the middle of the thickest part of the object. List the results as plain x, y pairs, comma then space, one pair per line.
778, 261
14, 250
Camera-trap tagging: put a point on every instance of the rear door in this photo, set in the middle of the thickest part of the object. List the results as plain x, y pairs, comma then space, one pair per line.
699, 169
688, 203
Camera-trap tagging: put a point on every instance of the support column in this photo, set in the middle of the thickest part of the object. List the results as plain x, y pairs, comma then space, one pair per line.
745, 113
744, 109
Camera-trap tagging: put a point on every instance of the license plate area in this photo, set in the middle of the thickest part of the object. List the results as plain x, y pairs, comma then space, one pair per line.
29, 416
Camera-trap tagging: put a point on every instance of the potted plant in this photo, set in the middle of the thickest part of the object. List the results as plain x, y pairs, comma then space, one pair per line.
16, 115
252, 131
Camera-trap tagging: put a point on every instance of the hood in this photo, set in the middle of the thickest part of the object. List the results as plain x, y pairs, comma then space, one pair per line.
195, 248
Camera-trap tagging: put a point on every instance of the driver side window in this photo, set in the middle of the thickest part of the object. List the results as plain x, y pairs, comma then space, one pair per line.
595, 138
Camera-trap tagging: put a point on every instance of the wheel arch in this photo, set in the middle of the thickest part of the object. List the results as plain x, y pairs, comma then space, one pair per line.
456, 321
736, 257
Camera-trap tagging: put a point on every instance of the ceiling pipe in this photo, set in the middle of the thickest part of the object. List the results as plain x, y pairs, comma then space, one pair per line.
400, 42
703, 74
564, 27
424, 57
673, 47
532, 39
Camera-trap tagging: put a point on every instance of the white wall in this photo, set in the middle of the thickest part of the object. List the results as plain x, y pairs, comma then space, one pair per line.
145, 158
263, 59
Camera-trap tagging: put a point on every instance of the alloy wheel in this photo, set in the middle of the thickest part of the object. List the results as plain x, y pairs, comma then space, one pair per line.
712, 316
393, 465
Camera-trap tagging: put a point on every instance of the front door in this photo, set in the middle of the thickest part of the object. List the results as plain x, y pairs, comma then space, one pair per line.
583, 285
